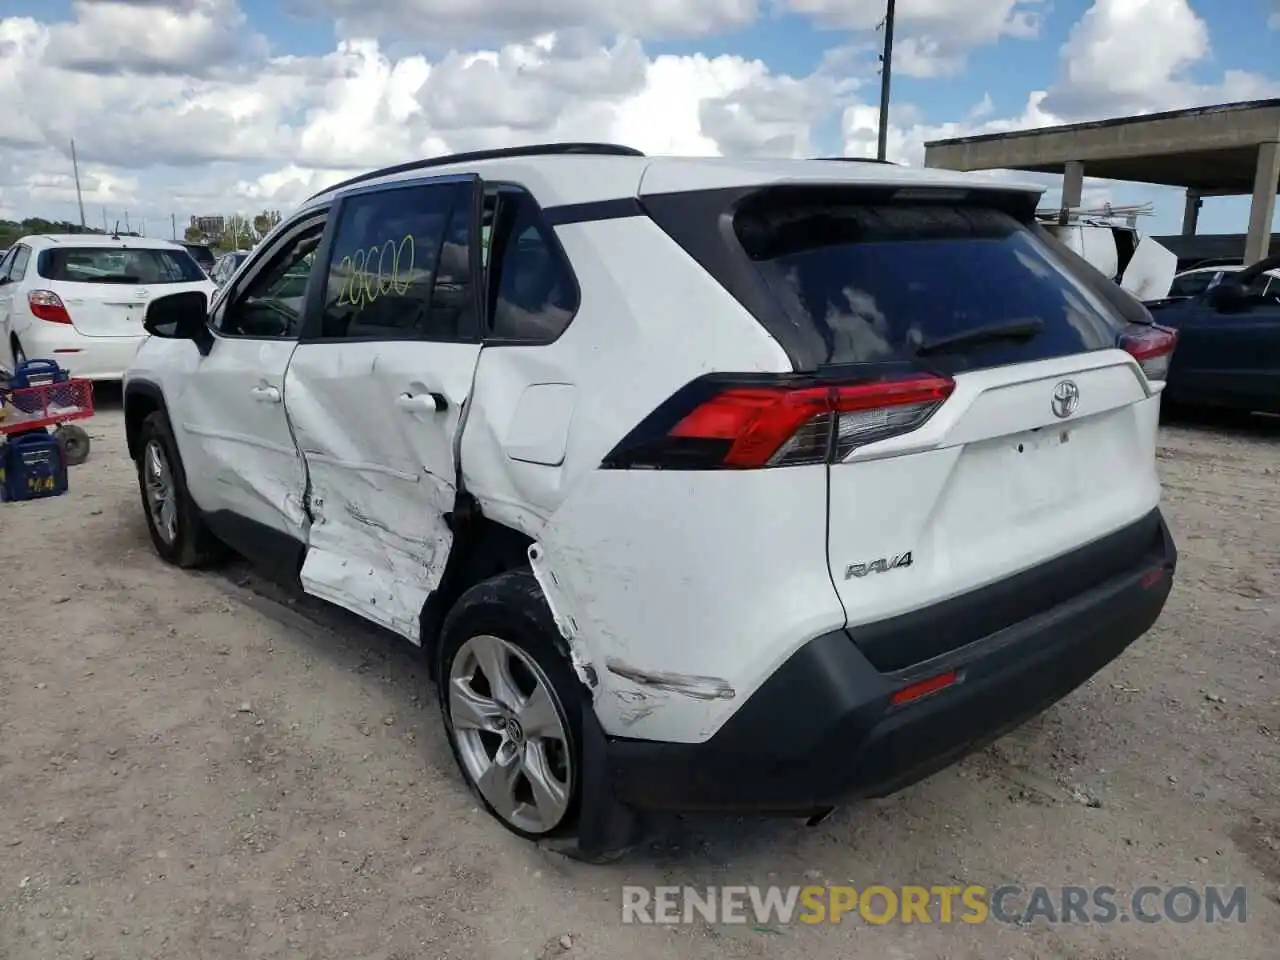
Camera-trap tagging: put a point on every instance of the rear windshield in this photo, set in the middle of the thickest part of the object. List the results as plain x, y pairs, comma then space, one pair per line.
118, 265
892, 281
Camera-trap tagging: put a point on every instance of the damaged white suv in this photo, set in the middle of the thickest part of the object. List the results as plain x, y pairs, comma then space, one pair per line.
704, 484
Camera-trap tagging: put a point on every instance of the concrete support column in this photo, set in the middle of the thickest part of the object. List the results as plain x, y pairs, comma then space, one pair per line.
1191, 212
1072, 187
1263, 208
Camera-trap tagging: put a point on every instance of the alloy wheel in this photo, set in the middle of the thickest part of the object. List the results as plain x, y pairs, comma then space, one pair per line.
160, 491
509, 733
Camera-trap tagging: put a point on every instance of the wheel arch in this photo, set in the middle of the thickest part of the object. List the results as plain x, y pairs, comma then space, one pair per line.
482, 548
141, 399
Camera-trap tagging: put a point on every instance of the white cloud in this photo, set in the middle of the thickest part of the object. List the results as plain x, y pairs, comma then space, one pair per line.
154, 37
1131, 56
932, 37
448, 20
250, 127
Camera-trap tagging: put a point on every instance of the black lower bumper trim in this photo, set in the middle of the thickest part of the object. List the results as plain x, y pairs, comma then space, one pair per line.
823, 729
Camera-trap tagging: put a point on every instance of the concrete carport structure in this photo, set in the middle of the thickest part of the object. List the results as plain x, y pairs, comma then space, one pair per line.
1225, 150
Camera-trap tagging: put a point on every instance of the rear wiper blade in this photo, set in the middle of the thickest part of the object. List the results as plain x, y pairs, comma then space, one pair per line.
975, 336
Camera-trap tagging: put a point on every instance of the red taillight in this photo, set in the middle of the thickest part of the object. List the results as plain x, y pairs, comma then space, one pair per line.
47, 305
1152, 346
765, 425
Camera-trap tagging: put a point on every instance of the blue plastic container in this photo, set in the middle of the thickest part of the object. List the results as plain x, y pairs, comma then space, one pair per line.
32, 465
37, 373
34, 373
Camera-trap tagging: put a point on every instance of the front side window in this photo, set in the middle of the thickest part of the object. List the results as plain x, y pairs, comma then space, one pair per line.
271, 305
400, 267
18, 268
118, 265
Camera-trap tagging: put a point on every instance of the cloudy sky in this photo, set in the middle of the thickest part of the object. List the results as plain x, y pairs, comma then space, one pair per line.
204, 106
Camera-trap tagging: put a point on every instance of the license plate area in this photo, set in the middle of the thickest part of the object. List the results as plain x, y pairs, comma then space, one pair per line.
1043, 470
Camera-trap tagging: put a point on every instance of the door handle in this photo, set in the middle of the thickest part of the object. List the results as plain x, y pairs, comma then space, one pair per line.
266, 394
422, 402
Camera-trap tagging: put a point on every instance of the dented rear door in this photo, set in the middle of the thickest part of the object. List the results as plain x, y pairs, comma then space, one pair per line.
376, 392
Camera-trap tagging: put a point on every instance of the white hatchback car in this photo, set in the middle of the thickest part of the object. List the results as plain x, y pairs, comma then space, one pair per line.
80, 299
704, 484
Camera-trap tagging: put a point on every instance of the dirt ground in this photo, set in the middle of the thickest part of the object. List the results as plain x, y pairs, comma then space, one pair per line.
192, 767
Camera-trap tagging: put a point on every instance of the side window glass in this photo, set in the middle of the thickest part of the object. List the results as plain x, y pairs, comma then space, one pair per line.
535, 294
18, 267
1190, 284
400, 266
5, 262
271, 306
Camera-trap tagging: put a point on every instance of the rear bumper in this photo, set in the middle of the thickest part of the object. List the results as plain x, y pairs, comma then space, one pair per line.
91, 358
823, 728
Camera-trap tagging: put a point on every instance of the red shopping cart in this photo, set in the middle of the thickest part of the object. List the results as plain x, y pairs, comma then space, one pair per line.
40, 395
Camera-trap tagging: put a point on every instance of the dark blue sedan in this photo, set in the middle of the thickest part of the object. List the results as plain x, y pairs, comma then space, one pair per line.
1228, 353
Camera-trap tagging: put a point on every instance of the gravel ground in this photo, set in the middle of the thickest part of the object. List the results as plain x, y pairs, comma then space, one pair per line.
191, 765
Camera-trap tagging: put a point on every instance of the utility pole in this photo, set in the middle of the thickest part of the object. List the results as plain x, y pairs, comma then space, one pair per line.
75, 167
886, 73
105, 228
126, 221
173, 225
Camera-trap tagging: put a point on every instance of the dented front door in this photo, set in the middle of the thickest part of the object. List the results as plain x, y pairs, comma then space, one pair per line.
376, 392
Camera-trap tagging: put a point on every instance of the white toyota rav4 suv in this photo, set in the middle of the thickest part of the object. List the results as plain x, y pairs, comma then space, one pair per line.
704, 484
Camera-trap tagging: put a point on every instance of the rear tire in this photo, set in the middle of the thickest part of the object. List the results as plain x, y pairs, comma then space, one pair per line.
512, 706
19, 355
177, 531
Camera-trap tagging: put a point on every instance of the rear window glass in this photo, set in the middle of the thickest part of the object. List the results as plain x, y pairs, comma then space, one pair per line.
887, 281
119, 265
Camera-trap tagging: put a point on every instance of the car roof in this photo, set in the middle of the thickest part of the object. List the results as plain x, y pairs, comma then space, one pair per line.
1226, 268
51, 240
561, 179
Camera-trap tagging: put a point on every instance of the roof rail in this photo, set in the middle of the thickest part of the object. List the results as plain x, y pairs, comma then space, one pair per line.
859, 160
532, 150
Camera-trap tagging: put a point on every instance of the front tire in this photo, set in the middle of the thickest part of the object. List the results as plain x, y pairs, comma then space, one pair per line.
173, 520
512, 706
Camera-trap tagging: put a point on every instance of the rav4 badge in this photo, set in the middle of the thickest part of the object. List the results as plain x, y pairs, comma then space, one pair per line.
882, 565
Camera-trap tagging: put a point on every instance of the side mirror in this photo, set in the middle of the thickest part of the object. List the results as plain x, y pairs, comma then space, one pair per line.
178, 316
1228, 296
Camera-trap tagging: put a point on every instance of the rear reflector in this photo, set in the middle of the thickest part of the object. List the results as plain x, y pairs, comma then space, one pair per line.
1152, 346
47, 305
923, 688
773, 425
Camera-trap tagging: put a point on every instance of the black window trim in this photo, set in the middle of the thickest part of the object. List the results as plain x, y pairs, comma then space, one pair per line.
557, 249
257, 261
313, 317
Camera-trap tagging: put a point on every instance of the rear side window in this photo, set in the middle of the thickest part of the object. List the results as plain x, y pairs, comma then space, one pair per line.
885, 281
534, 295
400, 266
118, 265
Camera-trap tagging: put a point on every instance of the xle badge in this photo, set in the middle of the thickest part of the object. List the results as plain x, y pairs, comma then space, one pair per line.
883, 565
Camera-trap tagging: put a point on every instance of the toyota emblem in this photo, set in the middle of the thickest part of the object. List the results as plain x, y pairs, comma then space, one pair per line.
1066, 398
